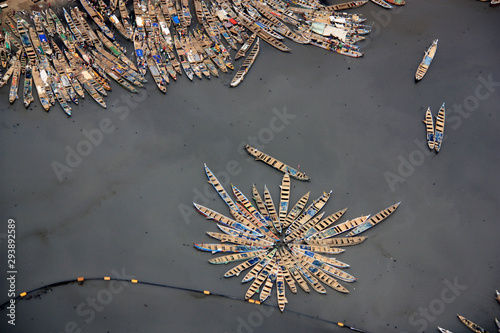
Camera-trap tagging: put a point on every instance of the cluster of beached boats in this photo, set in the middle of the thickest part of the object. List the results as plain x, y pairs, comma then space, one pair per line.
279, 245
65, 58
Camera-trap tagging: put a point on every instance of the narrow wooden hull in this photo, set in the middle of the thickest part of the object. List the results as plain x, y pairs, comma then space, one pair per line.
246, 65
426, 61
470, 325
439, 131
429, 125
382, 3
260, 156
374, 220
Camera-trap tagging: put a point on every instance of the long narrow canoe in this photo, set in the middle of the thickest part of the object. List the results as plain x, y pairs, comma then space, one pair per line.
396, 2
325, 223
243, 50
296, 210
14, 85
259, 280
310, 211
429, 125
298, 233
338, 241
382, 3
439, 131
374, 220
284, 197
268, 201
280, 288
338, 229
268, 285
246, 65
235, 271
426, 61
260, 156
472, 326
346, 5
235, 257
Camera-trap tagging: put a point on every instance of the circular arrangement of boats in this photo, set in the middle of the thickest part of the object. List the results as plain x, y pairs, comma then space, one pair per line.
279, 245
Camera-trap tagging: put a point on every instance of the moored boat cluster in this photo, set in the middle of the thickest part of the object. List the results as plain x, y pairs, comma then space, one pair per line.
279, 245
76, 53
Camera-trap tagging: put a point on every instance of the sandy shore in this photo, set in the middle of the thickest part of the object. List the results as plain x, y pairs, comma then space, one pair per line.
354, 125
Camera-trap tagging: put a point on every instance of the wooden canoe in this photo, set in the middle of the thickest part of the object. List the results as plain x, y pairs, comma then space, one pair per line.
429, 125
309, 213
382, 3
396, 2
439, 131
470, 325
426, 61
325, 223
246, 65
374, 220
260, 156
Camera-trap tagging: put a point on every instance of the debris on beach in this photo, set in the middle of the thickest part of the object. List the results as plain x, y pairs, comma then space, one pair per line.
281, 246
77, 51
435, 134
426, 61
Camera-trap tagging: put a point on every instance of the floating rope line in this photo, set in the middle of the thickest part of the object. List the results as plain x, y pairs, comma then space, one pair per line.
205, 292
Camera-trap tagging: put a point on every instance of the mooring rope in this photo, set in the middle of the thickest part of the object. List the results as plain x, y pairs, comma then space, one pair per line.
205, 292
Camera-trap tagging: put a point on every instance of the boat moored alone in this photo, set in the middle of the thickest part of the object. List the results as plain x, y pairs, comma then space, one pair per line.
471, 325
426, 61
260, 156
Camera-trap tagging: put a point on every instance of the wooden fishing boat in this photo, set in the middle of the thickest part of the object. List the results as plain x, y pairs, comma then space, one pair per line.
26, 41
260, 156
235, 257
106, 11
426, 61
183, 58
280, 288
185, 13
284, 197
127, 23
11, 23
338, 229
317, 248
155, 73
42, 95
116, 51
246, 65
253, 214
324, 224
14, 85
140, 52
64, 105
297, 234
243, 50
443, 330
273, 215
84, 79
296, 210
497, 322
50, 27
470, 325
72, 27
44, 42
309, 212
236, 271
266, 261
338, 241
97, 18
396, 2
374, 220
292, 268
7, 76
75, 16
215, 248
213, 215
84, 27
28, 87
65, 70
346, 5
258, 29
439, 131
429, 125
382, 3
206, 44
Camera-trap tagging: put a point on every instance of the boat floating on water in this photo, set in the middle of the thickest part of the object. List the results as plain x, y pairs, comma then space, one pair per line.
426, 61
